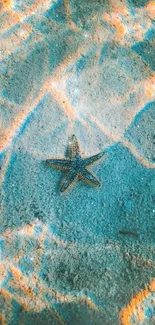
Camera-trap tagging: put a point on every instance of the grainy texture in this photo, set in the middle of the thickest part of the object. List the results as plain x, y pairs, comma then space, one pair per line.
85, 256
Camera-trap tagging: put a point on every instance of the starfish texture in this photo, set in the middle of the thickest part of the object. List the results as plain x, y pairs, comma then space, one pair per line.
75, 165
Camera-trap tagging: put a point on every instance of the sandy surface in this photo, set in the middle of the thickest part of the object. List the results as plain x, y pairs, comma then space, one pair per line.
85, 256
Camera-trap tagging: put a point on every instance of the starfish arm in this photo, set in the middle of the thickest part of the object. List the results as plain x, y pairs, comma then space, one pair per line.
73, 147
59, 163
91, 160
89, 177
68, 180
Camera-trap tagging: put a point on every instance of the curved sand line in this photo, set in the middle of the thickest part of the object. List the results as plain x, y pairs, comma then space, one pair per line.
126, 312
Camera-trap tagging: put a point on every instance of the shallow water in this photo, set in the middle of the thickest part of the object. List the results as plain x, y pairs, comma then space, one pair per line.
85, 256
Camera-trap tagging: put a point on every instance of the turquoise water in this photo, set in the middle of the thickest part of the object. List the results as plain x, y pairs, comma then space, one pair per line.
83, 68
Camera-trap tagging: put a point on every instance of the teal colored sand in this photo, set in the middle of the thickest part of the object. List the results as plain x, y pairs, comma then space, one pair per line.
85, 256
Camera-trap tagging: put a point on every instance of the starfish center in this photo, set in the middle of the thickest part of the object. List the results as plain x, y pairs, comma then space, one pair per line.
77, 164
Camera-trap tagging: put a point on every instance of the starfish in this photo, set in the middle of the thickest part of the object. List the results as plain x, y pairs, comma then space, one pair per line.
75, 165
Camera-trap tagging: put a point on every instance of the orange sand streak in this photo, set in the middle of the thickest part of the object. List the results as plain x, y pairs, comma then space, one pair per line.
114, 137
29, 297
24, 284
127, 311
3, 272
140, 314
120, 28
74, 299
35, 6
150, 8
63, 101
90, 303
133, 150
70, 61
43, 289
119, 6
22, 281
10, 20
2, 320
120, 10
19, 18
27, 230
17, 284
7, 295
18, 257
24, 301
58, 241
10, 44
5, 166
149, 87
6, 4
68, 16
